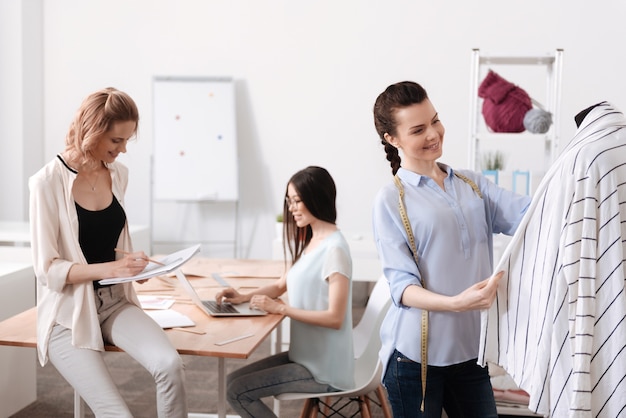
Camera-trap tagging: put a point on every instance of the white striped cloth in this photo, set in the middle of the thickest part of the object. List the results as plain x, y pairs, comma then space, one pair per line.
558, 325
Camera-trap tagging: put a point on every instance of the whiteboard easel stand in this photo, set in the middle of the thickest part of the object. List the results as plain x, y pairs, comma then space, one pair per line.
234, 242
195, 137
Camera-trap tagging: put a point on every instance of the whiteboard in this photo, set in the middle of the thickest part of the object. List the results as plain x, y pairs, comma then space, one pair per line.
195, 139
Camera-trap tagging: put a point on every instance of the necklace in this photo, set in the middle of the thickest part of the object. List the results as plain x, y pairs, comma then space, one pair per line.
93, 186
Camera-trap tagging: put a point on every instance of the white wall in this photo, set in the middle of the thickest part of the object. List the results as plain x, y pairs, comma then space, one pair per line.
308, 74
21, 109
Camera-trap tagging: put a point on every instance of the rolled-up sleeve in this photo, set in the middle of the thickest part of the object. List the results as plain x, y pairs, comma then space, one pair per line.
51, 270
397, 261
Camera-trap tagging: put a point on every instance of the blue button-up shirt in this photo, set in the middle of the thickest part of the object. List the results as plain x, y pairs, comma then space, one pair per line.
453, 234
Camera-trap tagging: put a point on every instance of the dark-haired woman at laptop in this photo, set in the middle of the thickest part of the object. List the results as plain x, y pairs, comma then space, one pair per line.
319, 289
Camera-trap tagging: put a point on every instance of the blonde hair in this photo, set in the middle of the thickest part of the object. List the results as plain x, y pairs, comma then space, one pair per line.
96, 116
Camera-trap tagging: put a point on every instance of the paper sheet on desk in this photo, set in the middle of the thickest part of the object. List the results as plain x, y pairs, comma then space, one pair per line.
149, 302
171, 261
169, 318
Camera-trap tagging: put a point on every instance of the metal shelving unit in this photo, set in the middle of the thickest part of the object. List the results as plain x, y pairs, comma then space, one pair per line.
547, 69
482, 140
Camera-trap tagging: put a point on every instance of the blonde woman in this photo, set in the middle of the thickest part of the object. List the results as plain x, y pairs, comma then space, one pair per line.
77, 220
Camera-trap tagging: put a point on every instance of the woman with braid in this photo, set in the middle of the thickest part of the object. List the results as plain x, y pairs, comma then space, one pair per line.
436, 251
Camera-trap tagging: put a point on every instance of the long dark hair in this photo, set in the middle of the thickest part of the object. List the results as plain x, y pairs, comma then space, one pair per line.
396, 96
317, 191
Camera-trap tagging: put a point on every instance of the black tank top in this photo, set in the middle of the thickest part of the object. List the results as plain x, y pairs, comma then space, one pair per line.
99, 232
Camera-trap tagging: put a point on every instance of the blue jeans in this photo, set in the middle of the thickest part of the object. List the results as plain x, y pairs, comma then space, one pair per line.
245, 387
463, 390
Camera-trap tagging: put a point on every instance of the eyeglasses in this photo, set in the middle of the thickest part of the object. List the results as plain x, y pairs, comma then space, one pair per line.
292, 202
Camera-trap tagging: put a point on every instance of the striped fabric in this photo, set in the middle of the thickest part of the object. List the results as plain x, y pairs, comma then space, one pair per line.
558, 325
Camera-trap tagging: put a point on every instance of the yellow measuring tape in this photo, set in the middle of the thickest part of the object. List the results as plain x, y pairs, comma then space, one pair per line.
409, 232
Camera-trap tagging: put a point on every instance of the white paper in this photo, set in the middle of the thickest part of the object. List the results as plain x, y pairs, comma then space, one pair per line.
155, 302
172, 262
169, 318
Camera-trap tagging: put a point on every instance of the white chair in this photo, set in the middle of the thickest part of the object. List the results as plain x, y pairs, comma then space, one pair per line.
367, 368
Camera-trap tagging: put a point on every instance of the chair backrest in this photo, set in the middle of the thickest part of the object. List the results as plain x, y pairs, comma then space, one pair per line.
366, 338
366, 333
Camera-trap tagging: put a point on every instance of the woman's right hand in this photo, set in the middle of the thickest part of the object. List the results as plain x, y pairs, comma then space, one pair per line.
130, 265
230, 295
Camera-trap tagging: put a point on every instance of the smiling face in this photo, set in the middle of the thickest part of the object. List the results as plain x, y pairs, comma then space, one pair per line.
114, 141
419, 134
299, 211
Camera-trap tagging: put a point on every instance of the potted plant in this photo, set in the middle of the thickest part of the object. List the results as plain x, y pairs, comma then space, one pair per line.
279, 225
493, 163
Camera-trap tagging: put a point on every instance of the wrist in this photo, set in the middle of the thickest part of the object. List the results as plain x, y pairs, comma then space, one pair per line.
455, 304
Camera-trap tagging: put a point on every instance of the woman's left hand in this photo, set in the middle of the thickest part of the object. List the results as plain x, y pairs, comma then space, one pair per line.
265, 303
481, 295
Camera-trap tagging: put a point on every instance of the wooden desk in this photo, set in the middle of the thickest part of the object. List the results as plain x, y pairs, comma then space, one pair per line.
19, 330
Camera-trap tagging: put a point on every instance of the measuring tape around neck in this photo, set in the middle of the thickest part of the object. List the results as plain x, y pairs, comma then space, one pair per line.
424, 326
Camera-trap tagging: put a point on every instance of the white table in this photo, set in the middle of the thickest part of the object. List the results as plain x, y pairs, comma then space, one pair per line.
15, 254
14, 233
18, 373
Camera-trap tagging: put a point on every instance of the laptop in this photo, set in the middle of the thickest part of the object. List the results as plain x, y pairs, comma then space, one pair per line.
210, 307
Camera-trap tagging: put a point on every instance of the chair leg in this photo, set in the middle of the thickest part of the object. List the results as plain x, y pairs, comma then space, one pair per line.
306, 408
315, 409
364, 407
366, 400
310, 409
382, 398
326, 408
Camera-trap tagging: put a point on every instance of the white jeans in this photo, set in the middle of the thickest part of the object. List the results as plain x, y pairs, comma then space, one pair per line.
129, 328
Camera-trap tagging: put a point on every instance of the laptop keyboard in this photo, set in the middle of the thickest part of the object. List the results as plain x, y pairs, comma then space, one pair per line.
223, 308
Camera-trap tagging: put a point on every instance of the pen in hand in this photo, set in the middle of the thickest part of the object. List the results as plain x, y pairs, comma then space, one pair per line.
119, 250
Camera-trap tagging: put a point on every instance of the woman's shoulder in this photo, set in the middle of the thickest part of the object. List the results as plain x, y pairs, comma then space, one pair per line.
387, 192
338, 240
51, 170
475, 177
119, 176
470, 174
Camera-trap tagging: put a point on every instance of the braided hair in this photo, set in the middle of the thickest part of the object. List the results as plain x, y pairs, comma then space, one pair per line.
394, 97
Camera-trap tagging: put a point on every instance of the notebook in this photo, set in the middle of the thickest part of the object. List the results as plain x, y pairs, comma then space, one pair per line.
211, 308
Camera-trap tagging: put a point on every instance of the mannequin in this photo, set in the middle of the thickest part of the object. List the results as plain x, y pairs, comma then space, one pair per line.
581, 115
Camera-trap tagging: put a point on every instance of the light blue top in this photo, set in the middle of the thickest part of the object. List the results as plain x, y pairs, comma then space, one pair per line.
453, 233
327, 353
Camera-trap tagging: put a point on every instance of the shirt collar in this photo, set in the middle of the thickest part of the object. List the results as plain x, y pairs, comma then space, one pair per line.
413, 179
